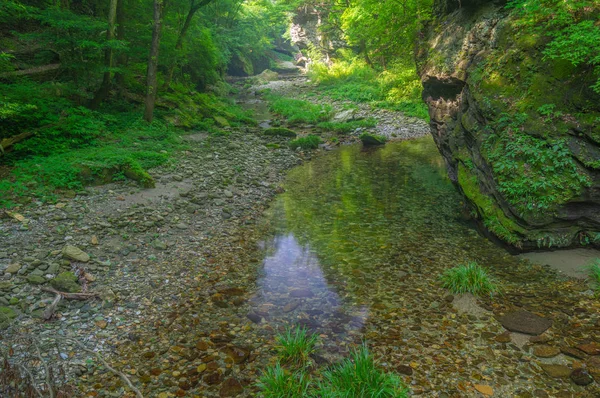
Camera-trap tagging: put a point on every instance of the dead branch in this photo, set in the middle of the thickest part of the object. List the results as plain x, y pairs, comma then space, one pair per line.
122, 375
49, 312
51, 308
46, 369
72, 296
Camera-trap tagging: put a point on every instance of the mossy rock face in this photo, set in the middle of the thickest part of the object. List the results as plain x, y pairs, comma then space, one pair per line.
520, 133
372, 139
280, 132
66, 282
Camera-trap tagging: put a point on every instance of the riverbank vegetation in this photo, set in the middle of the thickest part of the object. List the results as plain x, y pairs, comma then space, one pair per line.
296, 376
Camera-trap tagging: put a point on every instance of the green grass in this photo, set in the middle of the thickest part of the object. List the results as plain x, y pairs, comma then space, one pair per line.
396, 88
347, 127
295, 345
359, 376
279, 383
594, 274
470, 278
354, 377
311, 141
297, 111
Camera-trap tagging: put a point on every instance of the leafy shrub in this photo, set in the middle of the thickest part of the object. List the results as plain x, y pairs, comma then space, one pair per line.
470, 278
311, 141
571, 25
295, 346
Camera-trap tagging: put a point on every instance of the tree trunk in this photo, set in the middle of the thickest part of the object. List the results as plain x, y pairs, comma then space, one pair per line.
179, 45
122, 57
153, 62
104, 89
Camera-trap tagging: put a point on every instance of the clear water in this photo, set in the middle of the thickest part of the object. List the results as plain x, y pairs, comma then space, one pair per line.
352, 232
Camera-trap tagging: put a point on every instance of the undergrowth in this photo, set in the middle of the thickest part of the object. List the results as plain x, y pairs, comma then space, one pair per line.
470, 278
297, 111
349, 78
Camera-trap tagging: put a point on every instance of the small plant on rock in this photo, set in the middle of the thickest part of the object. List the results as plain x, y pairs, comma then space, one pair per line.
295, 346
470, 278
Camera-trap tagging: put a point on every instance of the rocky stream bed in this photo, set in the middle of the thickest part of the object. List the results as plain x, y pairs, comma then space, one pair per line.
195, 279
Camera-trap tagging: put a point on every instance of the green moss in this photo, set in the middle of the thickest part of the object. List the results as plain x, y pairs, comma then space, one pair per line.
492, 216
66, 282
372, 139
280, 131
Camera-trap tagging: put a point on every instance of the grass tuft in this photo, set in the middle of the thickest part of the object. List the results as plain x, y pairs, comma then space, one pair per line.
311, 141
295, 346
358, 376
279, 383
470, 278
594, 274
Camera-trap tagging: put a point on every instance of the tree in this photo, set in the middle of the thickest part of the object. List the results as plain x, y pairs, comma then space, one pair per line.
151, 77
104, 89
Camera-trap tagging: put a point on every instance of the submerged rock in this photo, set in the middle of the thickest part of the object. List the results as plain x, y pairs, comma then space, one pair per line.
525, 322
75, 254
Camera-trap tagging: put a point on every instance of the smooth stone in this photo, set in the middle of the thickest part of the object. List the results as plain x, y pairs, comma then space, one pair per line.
36, 279
556, 371
581, 377
231, 388
75, 254
66, 282
525, 322
545, 351
590, 349
298, 293
253, 317
13, 268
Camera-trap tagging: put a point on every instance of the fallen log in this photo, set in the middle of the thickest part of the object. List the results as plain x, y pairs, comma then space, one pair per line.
6, 143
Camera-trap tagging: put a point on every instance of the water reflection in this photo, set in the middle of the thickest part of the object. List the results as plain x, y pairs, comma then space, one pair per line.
350, 229
294, 290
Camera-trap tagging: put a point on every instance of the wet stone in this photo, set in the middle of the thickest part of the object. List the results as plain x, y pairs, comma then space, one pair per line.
525, 322
299, 293
590, 349
231, 388
581, 377
556, 371
545, 351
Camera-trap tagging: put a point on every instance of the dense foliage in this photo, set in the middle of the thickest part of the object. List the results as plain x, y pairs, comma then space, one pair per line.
572, 27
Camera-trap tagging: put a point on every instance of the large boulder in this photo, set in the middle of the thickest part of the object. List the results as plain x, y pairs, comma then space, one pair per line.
520, 133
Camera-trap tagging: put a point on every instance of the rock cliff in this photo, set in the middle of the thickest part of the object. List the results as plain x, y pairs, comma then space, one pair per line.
520, 134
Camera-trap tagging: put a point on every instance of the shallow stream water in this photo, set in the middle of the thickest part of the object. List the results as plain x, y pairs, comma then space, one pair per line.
355, 250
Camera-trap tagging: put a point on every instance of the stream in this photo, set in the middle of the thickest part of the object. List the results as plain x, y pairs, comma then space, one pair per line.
354, 252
